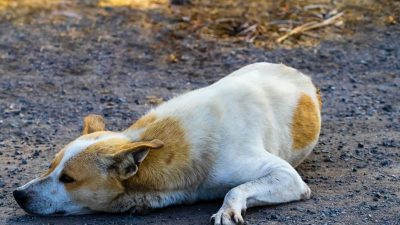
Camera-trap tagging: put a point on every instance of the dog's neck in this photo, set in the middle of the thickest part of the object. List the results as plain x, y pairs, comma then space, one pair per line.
144, 202
169, 168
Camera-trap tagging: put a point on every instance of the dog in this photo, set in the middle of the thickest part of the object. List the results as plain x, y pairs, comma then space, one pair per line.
240, 137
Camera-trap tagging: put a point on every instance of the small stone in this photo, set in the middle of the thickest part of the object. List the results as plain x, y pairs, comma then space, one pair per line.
36, 153
387, 108
385, 162
273, 217
373, 207
389, 143
328, 160
310, 212
2, 184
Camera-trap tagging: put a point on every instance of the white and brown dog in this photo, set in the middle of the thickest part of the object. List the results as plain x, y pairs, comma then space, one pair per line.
240, 137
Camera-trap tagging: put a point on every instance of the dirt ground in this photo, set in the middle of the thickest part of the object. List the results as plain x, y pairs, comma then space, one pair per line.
60, 62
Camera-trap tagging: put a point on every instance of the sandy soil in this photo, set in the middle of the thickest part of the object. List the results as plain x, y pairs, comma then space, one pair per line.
58, 66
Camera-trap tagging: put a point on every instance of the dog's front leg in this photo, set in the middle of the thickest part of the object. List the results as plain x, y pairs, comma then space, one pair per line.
281, 183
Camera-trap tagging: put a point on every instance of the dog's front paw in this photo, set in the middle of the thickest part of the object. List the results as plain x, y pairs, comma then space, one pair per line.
227, 216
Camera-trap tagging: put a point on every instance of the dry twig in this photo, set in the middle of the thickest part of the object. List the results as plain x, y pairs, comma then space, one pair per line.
310, 26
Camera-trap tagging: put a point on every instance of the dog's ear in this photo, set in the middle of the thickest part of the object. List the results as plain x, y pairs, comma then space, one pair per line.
93, 123
126, 158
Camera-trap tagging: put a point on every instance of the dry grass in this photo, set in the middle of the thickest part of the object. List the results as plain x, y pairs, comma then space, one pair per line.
266, 23
261, 23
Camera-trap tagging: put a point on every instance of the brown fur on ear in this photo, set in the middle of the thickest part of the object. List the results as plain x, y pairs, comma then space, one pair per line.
93, 123
132, 147
125, 160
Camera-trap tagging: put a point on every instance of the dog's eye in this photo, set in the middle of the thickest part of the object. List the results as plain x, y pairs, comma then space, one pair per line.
64, 178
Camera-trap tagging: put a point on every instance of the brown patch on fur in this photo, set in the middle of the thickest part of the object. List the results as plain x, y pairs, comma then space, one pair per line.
170, 158
60, 154
95, 159
143, 121
170, 167
122, 150
85, 169
93, 123
306, 123
92, 187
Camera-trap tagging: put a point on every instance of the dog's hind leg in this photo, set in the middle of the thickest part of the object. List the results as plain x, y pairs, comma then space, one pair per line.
281, 183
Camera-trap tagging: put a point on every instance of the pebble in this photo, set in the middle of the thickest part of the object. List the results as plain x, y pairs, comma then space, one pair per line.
373, 207
36, 153
273, 217
329, 160
389, 143
387, 108
385, 162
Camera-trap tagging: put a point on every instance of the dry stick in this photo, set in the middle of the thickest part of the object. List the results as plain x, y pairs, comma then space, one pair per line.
309, 26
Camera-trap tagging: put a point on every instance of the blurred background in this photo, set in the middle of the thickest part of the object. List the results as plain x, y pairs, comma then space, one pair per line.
262, 23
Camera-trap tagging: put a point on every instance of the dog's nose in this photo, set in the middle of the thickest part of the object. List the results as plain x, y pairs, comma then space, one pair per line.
20, 196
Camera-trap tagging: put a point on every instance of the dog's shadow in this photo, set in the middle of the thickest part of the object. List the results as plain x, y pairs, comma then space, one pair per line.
198, 213
99, 218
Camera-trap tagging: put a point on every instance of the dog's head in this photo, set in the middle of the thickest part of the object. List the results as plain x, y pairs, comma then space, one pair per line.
87, 174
